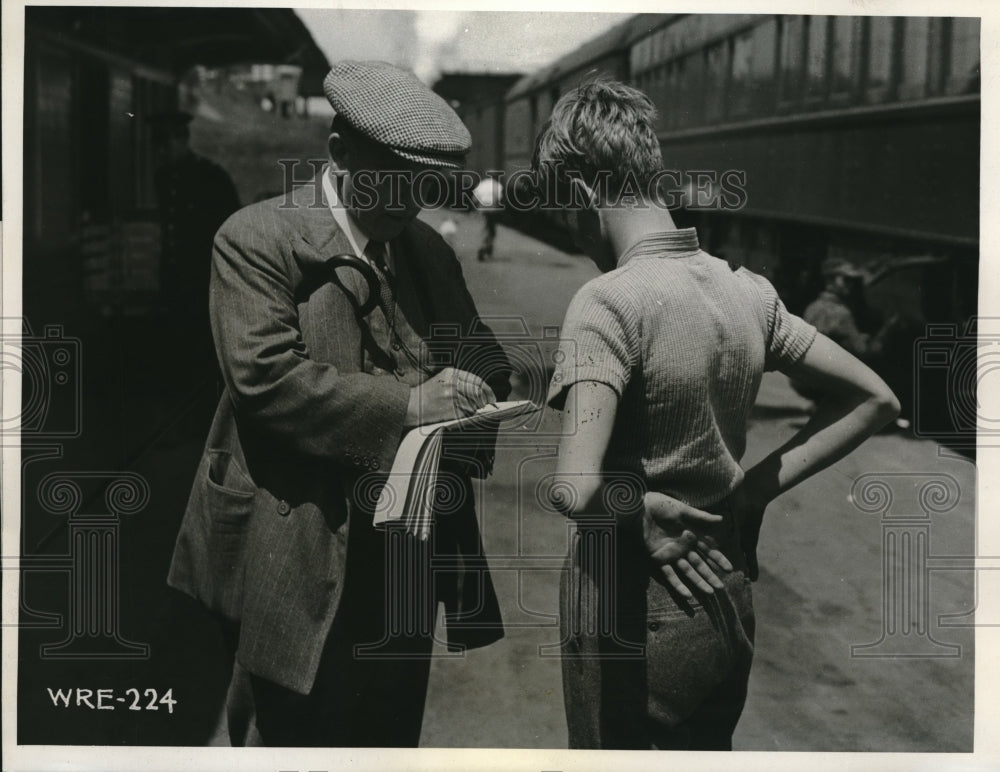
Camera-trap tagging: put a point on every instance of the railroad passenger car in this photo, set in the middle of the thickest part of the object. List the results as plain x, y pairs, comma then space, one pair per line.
853, 137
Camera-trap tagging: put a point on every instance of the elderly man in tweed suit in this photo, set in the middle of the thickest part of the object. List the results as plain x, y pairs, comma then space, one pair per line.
322, 381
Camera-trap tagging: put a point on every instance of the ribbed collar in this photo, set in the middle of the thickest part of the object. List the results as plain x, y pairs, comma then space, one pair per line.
678, 243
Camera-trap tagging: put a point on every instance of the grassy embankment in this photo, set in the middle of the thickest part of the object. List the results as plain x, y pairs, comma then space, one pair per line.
251, 144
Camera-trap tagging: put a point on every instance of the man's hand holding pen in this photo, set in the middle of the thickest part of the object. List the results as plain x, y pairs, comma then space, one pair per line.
447, 395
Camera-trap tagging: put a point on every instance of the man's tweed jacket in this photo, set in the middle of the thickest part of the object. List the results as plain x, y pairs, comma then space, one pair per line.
304, 415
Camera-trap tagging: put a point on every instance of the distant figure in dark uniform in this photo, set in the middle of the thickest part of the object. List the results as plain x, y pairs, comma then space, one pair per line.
843, 315
195, 197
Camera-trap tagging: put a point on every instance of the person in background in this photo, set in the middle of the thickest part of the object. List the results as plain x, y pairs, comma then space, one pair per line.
842, 313
448, 230
488, 195
195, 196
661, 360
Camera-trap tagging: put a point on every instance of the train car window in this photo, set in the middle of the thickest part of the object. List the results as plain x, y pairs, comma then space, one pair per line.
645, 49
53, 204
660, 54
668, 110
844, 55
693, 99
678, 91
718, 23
671, 40
120, 136
963, 57
816, 57
913, 67
790, 87
765, 37
687, 30
880, 47
150, 97
637, 49
516, 131
716, 72
92, 123
741, 87
762, 65
142, 158
698, 27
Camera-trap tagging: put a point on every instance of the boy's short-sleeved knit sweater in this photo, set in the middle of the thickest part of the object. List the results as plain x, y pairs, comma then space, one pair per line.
683, 340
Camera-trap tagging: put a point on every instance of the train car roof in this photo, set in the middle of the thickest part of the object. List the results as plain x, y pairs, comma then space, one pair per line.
617, 38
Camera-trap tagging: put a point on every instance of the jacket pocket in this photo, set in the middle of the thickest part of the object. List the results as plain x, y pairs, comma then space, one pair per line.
229, 492
230, 497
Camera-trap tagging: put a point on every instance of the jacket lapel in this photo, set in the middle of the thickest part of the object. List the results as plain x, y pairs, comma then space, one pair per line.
319, 238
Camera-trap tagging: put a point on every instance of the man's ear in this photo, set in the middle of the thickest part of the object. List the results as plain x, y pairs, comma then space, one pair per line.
337, 150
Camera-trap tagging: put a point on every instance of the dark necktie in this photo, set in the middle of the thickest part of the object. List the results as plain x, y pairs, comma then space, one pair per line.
375, 252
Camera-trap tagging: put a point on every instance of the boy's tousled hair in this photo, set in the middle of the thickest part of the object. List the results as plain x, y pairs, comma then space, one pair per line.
603, 128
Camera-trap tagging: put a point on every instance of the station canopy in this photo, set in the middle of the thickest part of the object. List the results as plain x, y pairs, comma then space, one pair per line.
177, 38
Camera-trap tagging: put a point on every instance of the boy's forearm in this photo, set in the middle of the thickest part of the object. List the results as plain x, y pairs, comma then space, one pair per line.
835, 429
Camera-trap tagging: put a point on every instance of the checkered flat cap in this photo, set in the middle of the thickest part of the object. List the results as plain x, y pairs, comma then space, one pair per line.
392, 107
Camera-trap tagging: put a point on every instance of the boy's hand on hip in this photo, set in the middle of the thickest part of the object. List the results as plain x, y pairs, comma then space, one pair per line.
677, 539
